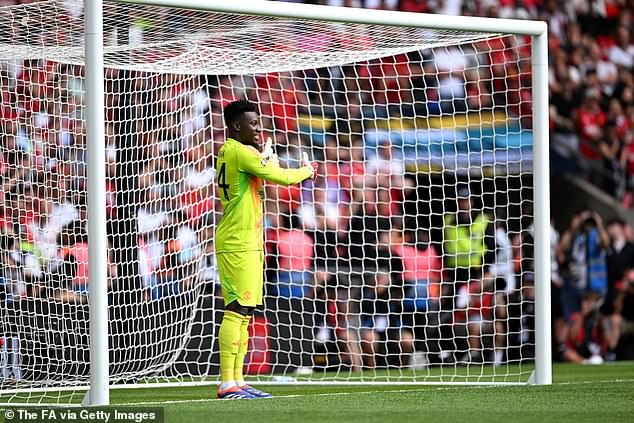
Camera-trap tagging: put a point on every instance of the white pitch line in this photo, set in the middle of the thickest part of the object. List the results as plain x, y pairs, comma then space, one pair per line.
333, 394
588, 382
323, 394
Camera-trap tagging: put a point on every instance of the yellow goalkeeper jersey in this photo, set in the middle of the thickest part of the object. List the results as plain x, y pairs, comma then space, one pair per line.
240, 170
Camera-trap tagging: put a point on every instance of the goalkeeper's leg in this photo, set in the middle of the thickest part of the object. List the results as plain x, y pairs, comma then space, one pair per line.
256, 285
241, 277
232, 351
239, 363
234, 341
229, 338
242, 351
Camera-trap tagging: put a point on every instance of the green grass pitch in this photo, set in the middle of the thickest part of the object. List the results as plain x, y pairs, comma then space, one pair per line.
578, 394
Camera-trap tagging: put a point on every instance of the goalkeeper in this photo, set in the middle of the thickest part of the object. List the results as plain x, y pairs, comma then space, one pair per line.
239, 241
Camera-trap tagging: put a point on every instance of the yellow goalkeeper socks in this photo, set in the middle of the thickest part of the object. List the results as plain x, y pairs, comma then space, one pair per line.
229, 338
242, 351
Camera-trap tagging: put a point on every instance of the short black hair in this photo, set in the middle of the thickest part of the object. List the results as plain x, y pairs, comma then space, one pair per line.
235, 109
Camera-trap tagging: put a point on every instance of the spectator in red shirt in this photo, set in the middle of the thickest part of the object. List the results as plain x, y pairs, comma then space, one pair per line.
588, 338
71, 278
295, 255
197, 192
590, 122
419, 6
422, 267
474, 316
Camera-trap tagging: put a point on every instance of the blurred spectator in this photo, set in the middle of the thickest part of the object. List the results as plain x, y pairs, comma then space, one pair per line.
583, 249
28, 257
474, 316
590, 123
501, 268
556, 18
54, 211
382, 333
69, 270
179, 262
70, 277
198, 176
422, 267
450, 65
500, 278
468, 246
208, 265
386, 169
562, 104
286, 99
468, 236
612, 151
336, 173
301, 299
590, 332
559, 326
322, 219
521, 322
365, 224
606, 71
624, 305
622, 53
151, 220
294, 253
325, 206
334, 318
620, 256
13, 294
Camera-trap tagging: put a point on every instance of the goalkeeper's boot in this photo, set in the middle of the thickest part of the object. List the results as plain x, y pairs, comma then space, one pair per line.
255, 392
234, 393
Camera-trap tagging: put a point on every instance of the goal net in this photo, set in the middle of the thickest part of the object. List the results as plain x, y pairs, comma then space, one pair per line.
408, 260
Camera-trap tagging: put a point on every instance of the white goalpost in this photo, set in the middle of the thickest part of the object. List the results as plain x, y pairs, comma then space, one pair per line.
420, 255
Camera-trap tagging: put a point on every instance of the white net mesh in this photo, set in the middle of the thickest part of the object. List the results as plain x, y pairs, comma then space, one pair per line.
408, 260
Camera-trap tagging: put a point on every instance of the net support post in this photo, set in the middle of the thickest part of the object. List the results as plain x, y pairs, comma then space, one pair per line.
541, 181
97, 235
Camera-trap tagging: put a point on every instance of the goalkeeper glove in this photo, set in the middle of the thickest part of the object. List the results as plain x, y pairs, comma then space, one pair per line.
312, 165
268, 154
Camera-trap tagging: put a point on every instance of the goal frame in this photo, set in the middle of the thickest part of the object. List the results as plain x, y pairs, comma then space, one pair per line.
98, 393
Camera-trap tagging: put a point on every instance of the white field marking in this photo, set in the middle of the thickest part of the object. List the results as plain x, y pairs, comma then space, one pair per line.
326, 394
333, 394
588, 382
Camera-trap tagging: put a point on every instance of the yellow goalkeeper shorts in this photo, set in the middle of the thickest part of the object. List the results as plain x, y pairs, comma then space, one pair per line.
242, 277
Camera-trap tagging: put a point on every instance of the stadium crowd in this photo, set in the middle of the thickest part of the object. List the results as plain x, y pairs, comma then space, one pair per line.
591, 87
350, 254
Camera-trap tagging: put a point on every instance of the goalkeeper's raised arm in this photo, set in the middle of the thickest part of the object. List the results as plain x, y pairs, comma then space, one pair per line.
266, 167
239, 239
